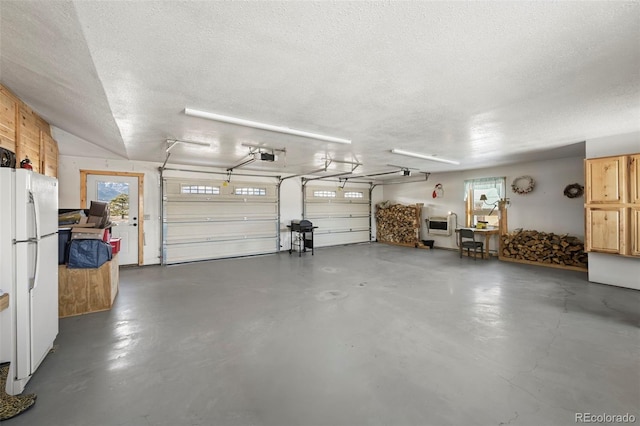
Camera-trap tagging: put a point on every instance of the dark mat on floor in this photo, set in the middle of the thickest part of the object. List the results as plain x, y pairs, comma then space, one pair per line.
11, 406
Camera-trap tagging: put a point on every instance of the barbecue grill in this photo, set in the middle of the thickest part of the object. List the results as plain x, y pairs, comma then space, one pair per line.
301, 226
303, 238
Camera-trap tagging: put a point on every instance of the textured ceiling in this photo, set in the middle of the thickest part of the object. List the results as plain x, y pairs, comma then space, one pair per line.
481, 83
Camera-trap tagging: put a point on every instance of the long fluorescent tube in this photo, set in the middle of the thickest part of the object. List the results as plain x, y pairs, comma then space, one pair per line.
173, 142
262, 126
423, 156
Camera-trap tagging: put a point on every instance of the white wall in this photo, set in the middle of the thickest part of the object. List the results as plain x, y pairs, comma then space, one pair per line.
290, 208
69, 178
544, 209
607, 268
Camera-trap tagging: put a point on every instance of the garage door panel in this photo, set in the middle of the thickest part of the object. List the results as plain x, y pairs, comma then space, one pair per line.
183, 232
341, 223
204, 189
337, 209
337, 238
178, 253
322, 193
193, 211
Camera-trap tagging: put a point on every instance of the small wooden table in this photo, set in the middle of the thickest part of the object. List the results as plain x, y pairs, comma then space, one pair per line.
487, 235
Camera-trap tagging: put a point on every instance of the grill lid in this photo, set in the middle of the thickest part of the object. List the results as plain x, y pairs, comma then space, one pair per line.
301, 224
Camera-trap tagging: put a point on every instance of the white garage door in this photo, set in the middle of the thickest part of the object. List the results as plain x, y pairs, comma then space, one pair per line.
208, 219
341, 215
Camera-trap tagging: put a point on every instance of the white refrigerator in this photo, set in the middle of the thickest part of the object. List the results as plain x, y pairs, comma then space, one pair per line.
28, 271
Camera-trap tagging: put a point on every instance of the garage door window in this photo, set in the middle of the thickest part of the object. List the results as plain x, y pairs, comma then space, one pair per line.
251, 191
324, 194
200, 189
352, 194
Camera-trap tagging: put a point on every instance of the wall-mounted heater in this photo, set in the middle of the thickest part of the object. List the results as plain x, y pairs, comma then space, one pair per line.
439, 225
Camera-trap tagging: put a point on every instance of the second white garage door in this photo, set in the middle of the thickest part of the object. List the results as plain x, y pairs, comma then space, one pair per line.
208, 219
342, 215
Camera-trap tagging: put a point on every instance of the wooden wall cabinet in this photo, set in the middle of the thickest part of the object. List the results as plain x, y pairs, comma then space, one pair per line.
606, 180
7, 121
606, 230
634, 178
635, 231
612, 207
26, 134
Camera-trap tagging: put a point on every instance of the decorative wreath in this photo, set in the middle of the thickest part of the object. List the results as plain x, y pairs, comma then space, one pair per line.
574, 190
518, 185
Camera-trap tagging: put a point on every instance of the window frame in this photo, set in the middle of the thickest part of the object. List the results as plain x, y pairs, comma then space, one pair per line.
484, 210
324, 194
354, 194
250, 191
215, 190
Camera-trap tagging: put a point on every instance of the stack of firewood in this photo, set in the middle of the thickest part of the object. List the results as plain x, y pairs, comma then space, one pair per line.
397, 223
544, 247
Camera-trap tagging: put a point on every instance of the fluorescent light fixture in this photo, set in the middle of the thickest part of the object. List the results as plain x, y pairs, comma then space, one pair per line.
173, 142
423, 156
261, 126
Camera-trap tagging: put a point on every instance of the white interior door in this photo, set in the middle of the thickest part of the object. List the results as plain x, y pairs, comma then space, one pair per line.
121, 192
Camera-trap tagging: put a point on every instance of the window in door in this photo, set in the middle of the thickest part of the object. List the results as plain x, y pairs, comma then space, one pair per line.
124, 193
117, 195
482, 197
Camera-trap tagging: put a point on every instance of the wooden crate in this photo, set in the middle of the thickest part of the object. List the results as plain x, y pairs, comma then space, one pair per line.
82, 291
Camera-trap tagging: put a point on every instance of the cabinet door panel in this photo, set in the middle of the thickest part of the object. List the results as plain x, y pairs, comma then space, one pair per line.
635, 231
606, 180
605, 230
634, 171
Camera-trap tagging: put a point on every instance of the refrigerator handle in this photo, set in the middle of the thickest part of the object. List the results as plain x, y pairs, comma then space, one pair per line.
36, 213
36, 266
36, 222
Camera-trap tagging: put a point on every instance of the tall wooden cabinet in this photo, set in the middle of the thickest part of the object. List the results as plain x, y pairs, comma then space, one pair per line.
27, 135
28, 144
612, 205
7, 121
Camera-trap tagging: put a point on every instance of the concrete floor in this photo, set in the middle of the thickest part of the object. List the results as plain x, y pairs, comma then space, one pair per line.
358, 335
